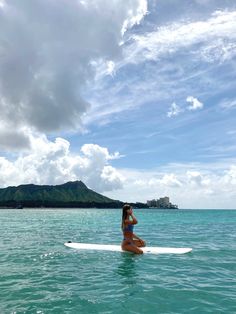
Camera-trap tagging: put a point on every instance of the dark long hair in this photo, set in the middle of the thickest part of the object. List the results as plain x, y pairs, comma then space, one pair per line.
126, 207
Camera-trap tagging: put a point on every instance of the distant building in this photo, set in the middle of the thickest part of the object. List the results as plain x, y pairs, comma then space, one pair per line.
152, 203
163, 202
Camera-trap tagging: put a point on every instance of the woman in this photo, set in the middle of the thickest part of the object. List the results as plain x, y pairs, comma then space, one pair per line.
131, 241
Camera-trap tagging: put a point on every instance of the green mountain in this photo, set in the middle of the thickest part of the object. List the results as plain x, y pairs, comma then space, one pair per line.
70, 194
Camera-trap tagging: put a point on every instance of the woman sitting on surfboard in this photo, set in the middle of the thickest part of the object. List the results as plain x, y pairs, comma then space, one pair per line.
131, 241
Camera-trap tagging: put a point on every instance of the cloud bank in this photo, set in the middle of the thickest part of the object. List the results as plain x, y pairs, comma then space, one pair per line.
188, 185
53, 163
47, 49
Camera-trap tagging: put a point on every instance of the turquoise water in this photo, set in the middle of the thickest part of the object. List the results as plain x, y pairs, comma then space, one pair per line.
40, 275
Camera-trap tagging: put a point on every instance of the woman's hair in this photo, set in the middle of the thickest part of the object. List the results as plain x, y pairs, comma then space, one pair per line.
126, 207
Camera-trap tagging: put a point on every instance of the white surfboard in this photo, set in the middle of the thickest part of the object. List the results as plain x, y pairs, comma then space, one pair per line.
117, 248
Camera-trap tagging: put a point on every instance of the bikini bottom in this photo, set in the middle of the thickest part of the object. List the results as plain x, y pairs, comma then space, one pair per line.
129, 242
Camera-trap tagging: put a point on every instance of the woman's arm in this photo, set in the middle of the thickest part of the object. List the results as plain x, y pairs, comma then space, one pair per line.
135, 221
136, 237
132, 221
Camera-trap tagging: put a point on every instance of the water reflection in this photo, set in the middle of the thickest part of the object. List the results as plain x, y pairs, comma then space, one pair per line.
128, 268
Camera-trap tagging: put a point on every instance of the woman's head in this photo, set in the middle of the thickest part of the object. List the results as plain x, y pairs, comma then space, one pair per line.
127, 210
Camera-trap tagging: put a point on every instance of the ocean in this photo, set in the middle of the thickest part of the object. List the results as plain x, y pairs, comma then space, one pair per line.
38, 274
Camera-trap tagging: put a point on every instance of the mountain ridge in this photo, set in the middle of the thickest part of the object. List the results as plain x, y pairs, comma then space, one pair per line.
69, 194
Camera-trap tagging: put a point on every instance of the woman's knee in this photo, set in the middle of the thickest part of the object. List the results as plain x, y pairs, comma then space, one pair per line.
133, 249
140, 243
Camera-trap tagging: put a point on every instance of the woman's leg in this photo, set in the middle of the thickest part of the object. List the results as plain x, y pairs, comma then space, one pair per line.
130, 247
139, 243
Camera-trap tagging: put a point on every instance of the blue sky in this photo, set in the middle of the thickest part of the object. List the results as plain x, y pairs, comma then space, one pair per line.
135, 98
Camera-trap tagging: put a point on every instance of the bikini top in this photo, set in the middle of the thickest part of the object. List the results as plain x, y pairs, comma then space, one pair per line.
129, 228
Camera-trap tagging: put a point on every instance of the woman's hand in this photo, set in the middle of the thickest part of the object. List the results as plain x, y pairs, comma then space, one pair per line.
134, 219
143, 243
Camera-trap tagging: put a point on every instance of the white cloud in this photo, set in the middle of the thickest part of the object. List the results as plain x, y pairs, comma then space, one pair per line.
13, 139
134, 15
47, 50
230, 175
194, 103
188, 57
111, 179
110, 68
188, 185
180, 51
2, 3
170, 180
228, 103
196, 178
174, 110
210, 40
53, 163
167, 180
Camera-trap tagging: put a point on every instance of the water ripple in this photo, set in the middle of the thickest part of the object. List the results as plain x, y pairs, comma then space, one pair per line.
40, 275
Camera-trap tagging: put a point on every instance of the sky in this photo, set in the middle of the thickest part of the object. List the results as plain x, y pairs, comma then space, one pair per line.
135, 98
